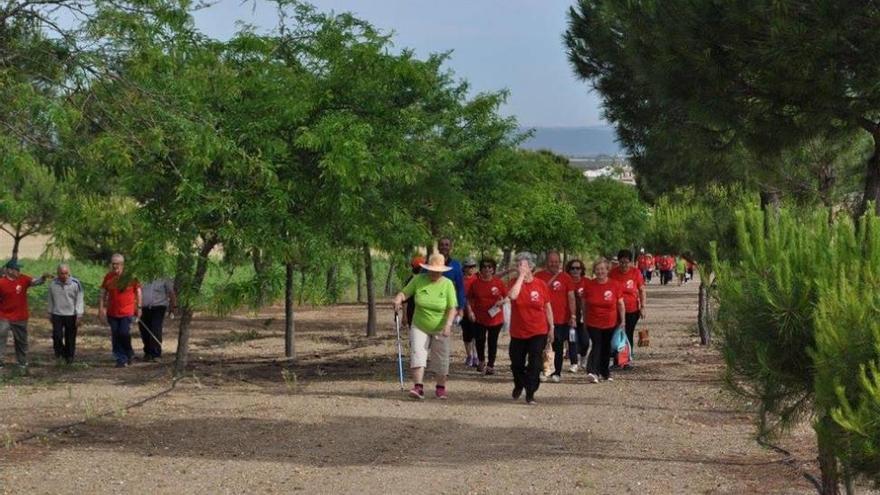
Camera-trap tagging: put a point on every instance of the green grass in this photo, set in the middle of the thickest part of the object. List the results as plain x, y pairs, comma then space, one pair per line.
312, 292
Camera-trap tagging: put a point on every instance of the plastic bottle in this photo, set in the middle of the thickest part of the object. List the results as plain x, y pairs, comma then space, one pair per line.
572, 335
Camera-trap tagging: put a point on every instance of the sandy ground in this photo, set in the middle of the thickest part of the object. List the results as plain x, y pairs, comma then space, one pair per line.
339, 423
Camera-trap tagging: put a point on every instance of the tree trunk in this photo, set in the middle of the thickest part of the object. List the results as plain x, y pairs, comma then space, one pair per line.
827, 460
771, 199
826, 176
331, 289
872, 176
389, 278
359, 281
507, 254
186, 308
261, 268
371, 294
302, 284
289, 349
702, 313
16, 241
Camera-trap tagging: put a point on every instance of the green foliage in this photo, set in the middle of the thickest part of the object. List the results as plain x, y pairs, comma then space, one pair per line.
797, 315
847, 351
706, 92
698, 222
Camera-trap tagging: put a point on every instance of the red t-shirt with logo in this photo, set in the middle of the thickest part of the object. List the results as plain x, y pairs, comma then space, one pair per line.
646, 262
631, 282
601, 301
120, 302
528, 317
13, 298
482, 295
559, 289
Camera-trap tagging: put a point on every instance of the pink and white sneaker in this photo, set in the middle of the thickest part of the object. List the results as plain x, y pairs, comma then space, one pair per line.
417, 392
440, 392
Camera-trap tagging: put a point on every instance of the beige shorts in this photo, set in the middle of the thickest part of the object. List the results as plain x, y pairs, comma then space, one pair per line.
425, 348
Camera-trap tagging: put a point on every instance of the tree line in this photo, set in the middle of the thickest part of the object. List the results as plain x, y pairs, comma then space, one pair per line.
128, 130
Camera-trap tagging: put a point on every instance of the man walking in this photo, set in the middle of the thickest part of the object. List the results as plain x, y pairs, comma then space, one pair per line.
14, 312
120, 301
66, 307
561, 298
158, 298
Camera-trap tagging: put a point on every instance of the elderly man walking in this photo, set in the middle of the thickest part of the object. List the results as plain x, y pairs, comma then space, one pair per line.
66, 307
14, 312
158, 298
120, 301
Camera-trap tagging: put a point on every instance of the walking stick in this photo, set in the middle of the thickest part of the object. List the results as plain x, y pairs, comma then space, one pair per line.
399, 349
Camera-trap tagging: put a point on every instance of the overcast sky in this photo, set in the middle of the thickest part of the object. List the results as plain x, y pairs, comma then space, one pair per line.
512, 44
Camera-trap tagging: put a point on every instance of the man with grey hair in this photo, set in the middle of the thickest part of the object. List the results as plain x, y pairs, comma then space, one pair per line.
66, 307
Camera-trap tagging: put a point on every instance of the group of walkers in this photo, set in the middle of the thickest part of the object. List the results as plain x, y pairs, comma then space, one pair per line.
668, 266
549, 308
122, 301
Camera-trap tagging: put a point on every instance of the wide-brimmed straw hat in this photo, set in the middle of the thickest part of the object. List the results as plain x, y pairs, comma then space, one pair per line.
436, 263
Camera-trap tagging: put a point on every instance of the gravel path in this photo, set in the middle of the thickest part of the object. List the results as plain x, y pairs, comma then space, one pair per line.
342, 426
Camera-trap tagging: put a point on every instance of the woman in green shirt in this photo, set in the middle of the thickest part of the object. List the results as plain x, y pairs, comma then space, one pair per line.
680, 269
436, 304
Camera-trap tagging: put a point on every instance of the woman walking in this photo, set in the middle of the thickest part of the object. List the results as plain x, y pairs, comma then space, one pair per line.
531, 319
603, 313
576, 271
468, 326
485, 297
435, 309
634, 294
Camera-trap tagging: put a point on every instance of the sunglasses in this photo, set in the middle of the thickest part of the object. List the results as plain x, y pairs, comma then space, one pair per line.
575, 268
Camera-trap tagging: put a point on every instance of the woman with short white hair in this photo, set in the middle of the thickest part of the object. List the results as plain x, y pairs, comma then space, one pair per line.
436, 305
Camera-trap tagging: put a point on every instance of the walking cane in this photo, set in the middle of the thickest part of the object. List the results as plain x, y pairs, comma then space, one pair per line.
399, 349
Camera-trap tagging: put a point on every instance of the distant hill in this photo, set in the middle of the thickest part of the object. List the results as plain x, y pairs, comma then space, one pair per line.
574, 141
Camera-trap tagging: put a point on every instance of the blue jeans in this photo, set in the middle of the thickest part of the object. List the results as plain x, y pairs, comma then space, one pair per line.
120, 336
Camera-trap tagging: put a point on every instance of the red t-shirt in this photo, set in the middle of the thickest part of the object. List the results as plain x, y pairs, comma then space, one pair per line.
559, 290
646, 262
528, 316
120, 303
579, 288
13, 298
482, 295
631, 282
601, 301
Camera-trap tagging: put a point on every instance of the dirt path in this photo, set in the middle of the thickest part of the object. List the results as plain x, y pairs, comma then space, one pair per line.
342, 426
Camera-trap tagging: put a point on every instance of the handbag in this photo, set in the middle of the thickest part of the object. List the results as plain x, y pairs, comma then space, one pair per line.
644, 338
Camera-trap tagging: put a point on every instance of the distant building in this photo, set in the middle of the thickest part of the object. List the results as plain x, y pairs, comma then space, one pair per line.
615, 167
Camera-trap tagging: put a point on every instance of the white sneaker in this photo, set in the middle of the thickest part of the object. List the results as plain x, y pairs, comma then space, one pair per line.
573, 368
582, 364
591, 378
543, 377
555, 378
609, 379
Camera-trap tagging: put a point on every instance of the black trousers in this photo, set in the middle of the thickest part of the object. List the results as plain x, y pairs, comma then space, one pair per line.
600, 354
630, 322
64, 336
560, 337
484, 335
526, 361
468, 330
152, 320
